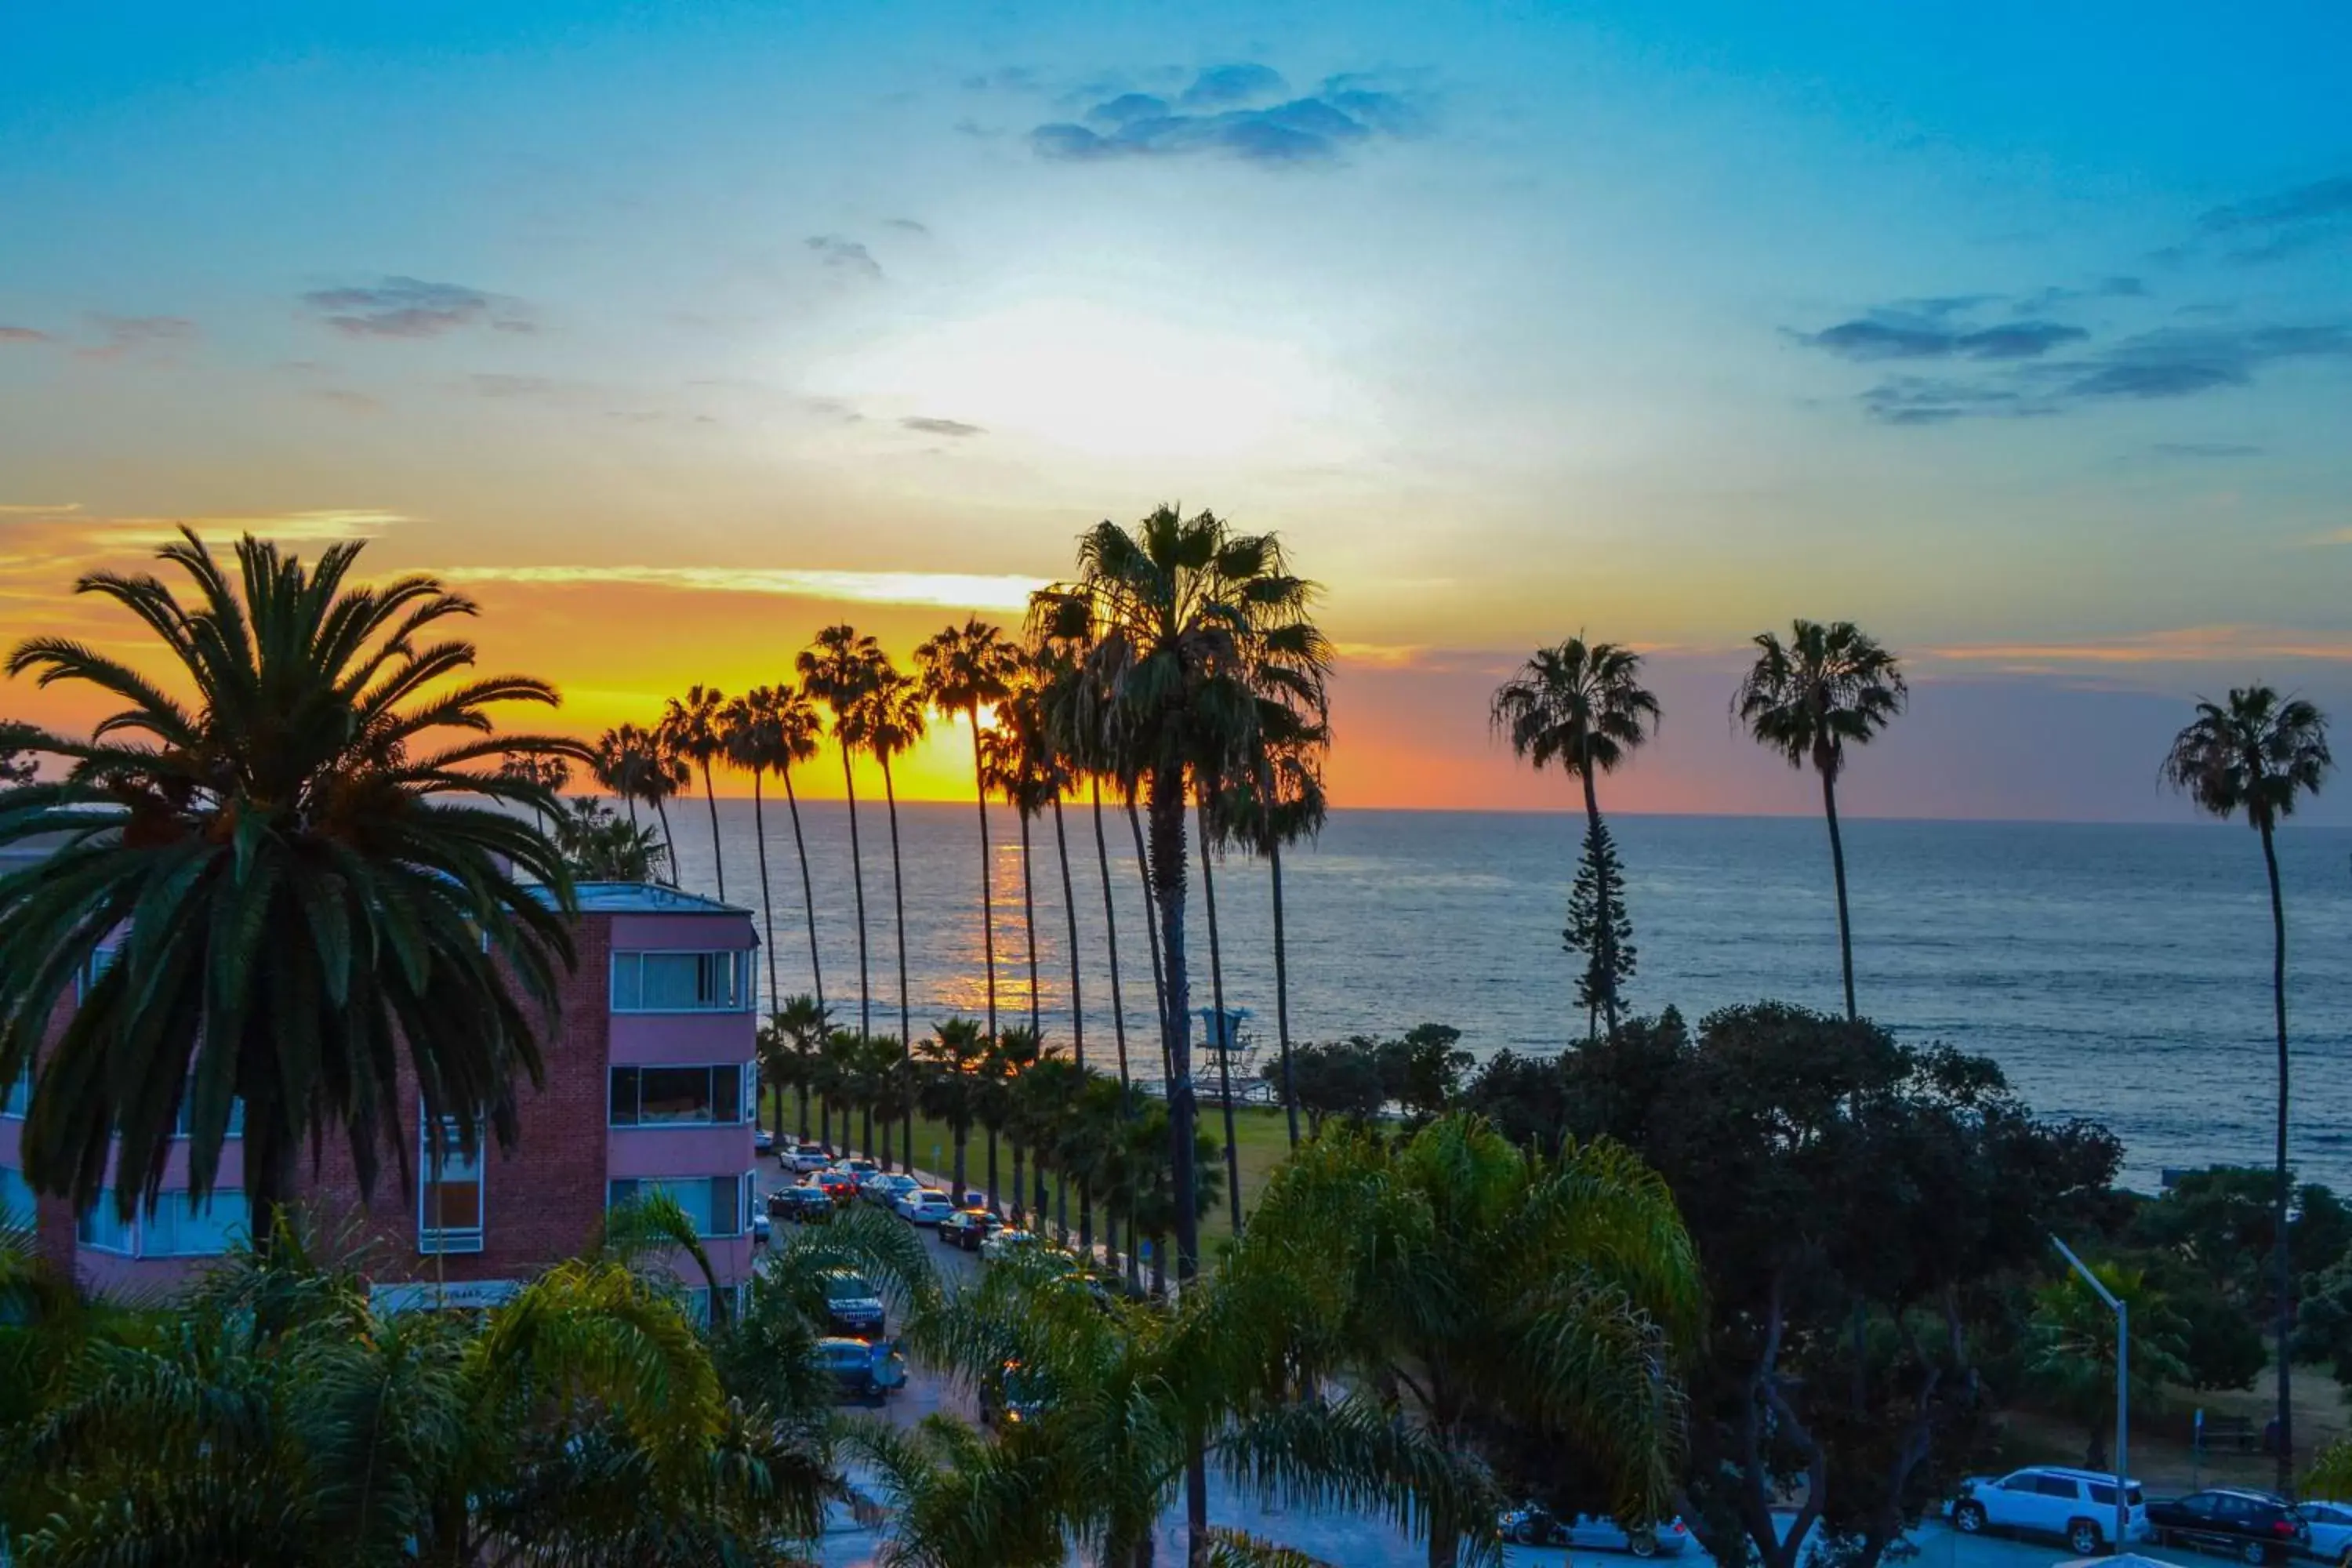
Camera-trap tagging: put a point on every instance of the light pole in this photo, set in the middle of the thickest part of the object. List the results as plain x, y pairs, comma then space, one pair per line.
2122, 1310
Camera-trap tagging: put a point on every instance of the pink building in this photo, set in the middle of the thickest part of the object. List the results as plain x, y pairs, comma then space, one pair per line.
650, 1085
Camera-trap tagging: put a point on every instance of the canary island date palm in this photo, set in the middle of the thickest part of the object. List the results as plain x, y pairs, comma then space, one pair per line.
1568, 1286
1581, 707
2259, 753
884, 723
302, 872
963, 669
836, 669
696, 727
1828, 687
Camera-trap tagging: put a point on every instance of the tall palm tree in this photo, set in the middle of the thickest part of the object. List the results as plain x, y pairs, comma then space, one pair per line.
748, 738
953, 1058
962, 669
666, 775
839, 1070
886, 719
2258, 754
259, 844
1192, 624
1569, 1286
1279, 802
634, 763
617, 763
836, 669
1827, 687
697, 727
787, 727
1581, 708
804, 1022
1210, 841
548, 774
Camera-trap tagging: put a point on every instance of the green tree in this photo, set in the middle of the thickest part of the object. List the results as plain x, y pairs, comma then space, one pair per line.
1827, 687
1599, 929
836, 669
305, 902
2259, 754
884, 721
599, 846
2072, 1349
951, 1083
1338, 1078
1569, 1288
1581, 708
962, 669
799, 1027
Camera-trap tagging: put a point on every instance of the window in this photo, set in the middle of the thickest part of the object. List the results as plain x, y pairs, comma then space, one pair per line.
101, 960
179, 1229
715, 1203
679, 1097
185, 1123
2055, 1486
103, 1230
2020, 1482
682, 983
450, 1198
15, 1197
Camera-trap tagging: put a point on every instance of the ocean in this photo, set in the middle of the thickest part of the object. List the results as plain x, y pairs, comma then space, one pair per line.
2120, 972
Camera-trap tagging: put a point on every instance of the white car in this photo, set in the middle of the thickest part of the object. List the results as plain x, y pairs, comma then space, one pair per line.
1004, 1243
925, 1206
2077, 1507
2331, 1530
1533, 1526
803, 1159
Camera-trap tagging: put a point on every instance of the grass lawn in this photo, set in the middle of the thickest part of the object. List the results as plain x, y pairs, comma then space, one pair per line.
2162, 1455
1258, 1133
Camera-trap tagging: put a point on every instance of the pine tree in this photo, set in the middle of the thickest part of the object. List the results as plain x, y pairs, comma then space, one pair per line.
1598, 926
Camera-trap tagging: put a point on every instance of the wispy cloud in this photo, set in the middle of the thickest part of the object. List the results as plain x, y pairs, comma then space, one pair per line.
849, 255
929, 426
24, 335
2188, 645
2283, 223
413, 308
2205, 449
123, 336
1237, 111
950, 590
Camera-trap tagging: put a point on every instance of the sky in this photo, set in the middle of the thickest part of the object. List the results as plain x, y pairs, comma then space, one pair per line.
2020, 335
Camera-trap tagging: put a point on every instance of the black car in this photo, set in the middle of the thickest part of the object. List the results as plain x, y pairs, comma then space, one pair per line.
865, 1374
968, 1228
2254, 1527
852, 1306
808, 1205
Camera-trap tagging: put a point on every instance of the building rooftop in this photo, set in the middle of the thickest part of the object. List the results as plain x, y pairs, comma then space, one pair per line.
647, 898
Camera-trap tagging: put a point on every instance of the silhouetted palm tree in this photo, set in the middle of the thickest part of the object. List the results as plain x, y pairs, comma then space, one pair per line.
951, 1085
697, 727
666, 773
1827, 687
886, 719
768, 729
2257, 754
836, 669
1279, 802
1051, 765
963, 669
804, 1022
632, 762
1581, 707
247, 852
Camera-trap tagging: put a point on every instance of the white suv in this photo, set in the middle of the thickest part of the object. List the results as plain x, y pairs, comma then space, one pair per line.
2077, 1507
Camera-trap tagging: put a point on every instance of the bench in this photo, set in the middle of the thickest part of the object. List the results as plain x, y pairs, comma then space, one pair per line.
2229, 1434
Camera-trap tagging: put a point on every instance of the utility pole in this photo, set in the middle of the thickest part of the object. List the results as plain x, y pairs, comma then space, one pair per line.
2122, 1310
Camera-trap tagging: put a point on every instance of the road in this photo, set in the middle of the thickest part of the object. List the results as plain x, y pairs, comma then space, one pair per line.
1357, 1540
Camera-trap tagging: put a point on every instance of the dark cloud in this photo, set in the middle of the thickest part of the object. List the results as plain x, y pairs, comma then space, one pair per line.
841, 254
1926, 400
943, 426
1889, 336
2286, 223
906, 225
123, 335
2205, 449
23, 335
414, 308
1226, 112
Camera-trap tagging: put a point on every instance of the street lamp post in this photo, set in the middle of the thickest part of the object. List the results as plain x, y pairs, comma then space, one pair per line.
2122, 1310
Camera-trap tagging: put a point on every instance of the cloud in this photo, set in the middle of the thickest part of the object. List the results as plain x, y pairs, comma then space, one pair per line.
344, 398
1892, 336
1224, 112
492, 385
1004, 78
2205, 449
24, 335
34, 509
125, 335
943, 426
845, 256
413, 308
2188, 645
950, 590
2286, 222
906, 225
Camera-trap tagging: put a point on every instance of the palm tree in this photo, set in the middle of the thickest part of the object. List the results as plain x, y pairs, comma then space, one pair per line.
787, 727
550, 774
1581, 708
258, 845
962, 669
1827, 687
631, 763
1017, 761
2071, 1348
751, 737
696, 725
839, 1068
2257, 754
886, 720
1211, 842
1570, 1284
1191, 622
803, 1023
1044, 1102
666, 773
836, 669
951, 1086
1282, 802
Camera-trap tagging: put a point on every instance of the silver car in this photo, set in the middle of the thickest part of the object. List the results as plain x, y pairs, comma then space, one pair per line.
1534, 1526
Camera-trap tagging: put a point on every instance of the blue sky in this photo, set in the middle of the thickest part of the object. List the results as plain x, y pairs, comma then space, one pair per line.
2024, 339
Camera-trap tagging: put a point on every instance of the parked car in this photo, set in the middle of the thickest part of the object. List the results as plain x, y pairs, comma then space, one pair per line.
925, 1206
804, 1158
1530, 1525
838, 1186
2077, 1507
760, 1227
1014, 1394
968, 1228
762, 1141
1005, 1243
887, 1190
863, 1373
2255, 1527
858, 1166
808, 1204
852, 1306
2330, 1524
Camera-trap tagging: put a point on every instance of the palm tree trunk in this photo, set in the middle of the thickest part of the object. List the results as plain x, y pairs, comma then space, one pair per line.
1223, 1044
767, 903
808, 893
670, 839
1837, 865
1020, 1174
1168, 879
992, 1170
963, 1135
717, 861
1282, 997
1077, 1037
987, 897
906, 1007
1606, 896
1029, 919
1110, 933
1152, 928
2283, 1272
858, 878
